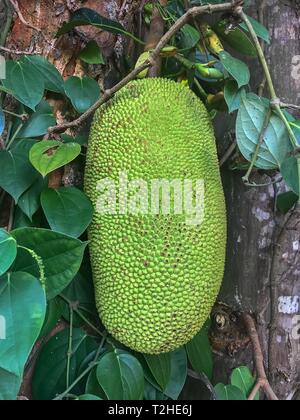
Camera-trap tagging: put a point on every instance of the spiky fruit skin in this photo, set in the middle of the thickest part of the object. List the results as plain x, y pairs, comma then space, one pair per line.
156, 278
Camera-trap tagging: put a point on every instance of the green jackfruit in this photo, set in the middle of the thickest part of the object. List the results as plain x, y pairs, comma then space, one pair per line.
156, 271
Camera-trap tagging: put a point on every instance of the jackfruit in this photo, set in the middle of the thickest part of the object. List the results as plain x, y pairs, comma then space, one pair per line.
156, 272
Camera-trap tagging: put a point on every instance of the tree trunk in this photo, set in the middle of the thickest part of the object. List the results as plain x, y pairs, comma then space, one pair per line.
263, 258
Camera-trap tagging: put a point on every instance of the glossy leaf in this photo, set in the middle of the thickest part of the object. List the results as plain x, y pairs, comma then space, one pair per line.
68, 210
290, 172
25, 83
83, 92
200, 353
49, 155
39, 122
236, 68
23, 307
51, 76
29, 202
236, 39
243, 379
178, 373
160, 367
91, 54
229, 393
8, 251
250, 120
61, 256
121, 376
17, 174
233, 95
261, 31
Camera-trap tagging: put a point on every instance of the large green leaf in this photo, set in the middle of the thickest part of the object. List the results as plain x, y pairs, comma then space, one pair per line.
121, 376
233, 95
22, 307
91, 54
61, 256
236, 39
83, 92
236, 68
50, 373
229, 393
243, 379
51, 76
49, 155
93, 386
178, 373
8, 251
200, 353
29, 202
250, 120
39, 122
85, 16
188, 37
25, 83
68, 210
17, 174
261, 31
160, 367
290, 171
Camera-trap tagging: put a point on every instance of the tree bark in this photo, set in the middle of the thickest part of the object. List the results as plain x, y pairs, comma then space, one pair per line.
263, 259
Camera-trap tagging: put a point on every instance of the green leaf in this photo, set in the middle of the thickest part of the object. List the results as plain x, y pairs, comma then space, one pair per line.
51, 76
68, 210
25, 83
61, 256
233, 95
93, 386
17, 174
260, 30
49, 155
200, 353
23, 307
82, 92
85, 16
290, 172
229, 393
91, 54
89, 397
286, 201
188, 37
8, 251
9, 385
236, 39
250, 120
29, 202
236, 68
160, 367
152, 393
49, 377
39, 122
178, 373
121, 376
243, 379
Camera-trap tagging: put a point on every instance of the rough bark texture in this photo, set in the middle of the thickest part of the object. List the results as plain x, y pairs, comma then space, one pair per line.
263, 261
263, 269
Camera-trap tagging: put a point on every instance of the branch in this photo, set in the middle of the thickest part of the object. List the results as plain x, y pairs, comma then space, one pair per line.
262, 380
15, 5
193, 12
17, 52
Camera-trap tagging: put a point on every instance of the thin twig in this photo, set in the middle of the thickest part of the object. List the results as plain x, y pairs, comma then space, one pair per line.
262, 380
292, 106
193, 12
15, 5
228, 153
17, 52
86, 372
